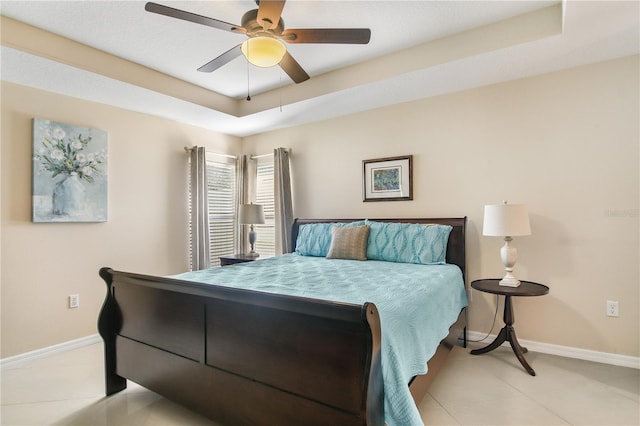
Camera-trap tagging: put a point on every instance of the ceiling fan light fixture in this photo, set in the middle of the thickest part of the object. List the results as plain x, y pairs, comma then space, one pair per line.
263, 51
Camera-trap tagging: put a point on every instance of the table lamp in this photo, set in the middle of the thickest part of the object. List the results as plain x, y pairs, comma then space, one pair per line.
507, 220
251, 214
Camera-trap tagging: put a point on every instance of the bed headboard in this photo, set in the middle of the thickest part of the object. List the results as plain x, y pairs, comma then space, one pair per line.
456, 250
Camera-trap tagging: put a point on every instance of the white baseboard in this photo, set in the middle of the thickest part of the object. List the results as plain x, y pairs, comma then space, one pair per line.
567, 351
545, 348
15, 361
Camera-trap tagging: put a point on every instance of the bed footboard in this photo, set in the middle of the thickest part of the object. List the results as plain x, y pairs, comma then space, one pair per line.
243, 357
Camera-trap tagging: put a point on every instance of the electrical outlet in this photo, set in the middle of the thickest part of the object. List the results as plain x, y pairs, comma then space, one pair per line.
612, 308
74, 301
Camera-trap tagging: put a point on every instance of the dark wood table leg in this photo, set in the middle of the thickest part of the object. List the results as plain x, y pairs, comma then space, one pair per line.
500, 339
508, 334
519, 350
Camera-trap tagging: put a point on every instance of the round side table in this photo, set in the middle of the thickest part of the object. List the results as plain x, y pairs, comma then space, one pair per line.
508, 333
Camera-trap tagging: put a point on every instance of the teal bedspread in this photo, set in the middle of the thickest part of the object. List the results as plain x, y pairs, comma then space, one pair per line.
417, 304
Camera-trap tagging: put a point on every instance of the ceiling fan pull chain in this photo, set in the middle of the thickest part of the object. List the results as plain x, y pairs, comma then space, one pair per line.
248, 86
280, 89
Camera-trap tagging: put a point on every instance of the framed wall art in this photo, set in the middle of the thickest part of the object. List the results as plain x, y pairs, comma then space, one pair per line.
388, 179
69, 173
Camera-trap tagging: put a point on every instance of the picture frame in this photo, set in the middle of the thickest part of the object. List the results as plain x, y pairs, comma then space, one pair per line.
69, 173
388, 179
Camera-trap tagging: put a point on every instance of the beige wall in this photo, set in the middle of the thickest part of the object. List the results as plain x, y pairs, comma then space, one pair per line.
566, 144
146, 231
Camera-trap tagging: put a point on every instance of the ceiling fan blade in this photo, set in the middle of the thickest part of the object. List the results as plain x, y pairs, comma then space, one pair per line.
328, 35
293, 69
269, 12
221, 60
192, 17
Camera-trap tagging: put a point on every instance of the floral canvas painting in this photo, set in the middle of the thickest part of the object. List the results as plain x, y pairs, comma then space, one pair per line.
69, 173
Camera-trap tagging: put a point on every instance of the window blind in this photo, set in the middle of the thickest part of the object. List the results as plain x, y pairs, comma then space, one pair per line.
266, 242
222, 202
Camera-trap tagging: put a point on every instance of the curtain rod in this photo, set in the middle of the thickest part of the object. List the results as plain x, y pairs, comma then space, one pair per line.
255, 157
189, 149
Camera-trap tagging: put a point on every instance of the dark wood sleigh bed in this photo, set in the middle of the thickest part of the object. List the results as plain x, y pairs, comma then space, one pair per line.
245, 357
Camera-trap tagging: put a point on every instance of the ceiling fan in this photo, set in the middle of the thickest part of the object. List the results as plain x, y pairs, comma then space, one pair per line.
264, 28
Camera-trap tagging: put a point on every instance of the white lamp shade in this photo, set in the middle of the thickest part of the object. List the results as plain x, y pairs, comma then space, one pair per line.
502, 220
263, 51
250, 214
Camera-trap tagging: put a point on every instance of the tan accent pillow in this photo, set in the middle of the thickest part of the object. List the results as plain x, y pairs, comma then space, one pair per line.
349, 243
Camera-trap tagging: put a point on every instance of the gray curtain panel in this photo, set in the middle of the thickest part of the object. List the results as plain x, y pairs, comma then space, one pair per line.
283, 201
200, 258
242, 182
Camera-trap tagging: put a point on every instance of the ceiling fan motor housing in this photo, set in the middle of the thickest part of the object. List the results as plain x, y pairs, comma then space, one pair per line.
256, 29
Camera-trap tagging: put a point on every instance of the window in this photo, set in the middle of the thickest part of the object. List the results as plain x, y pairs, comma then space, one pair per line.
222, 205
222, 202
266, 241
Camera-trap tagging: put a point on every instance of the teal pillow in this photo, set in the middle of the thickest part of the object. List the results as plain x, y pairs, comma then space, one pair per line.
408, 242
314, 239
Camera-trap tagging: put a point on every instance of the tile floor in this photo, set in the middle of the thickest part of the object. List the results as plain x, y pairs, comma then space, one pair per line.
491, 389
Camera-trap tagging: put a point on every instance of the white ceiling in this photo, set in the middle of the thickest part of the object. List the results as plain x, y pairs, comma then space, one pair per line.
593, 31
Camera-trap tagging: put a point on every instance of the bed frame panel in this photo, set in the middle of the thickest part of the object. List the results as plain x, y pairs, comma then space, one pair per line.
243, 357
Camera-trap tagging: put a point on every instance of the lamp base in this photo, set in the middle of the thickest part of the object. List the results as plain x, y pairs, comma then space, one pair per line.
252, 242
509, 255
509, 281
